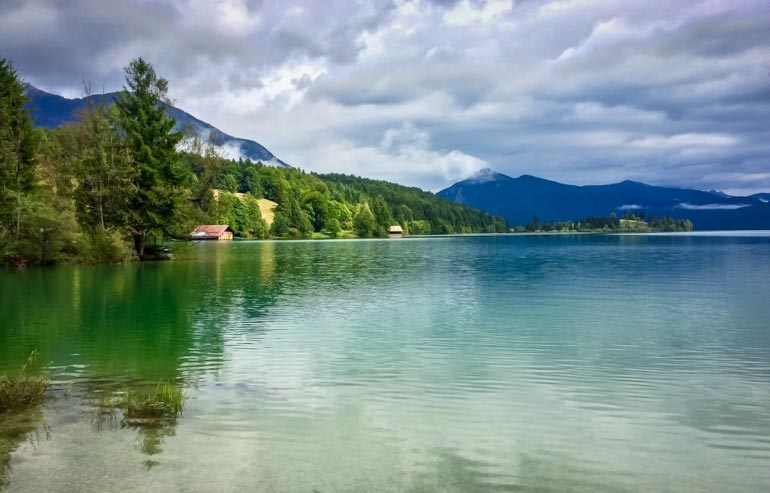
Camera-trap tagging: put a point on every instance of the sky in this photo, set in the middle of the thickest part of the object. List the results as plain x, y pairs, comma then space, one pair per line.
425, 93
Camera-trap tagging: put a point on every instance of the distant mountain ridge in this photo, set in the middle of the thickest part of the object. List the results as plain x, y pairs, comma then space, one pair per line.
519, 200
50, 111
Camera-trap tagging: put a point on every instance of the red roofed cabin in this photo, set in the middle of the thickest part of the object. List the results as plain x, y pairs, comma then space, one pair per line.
212, 232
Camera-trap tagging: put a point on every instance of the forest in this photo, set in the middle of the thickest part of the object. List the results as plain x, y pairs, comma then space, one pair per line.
120, 181
630, 222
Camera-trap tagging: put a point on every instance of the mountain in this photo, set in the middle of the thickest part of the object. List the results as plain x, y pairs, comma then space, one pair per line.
718, 192
50, 111
519, 200
763, 197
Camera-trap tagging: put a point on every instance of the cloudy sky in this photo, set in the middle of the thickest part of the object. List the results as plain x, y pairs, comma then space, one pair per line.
669, 92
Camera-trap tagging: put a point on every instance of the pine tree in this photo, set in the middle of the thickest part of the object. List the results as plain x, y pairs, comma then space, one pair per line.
18, 143
141, 114
382, 215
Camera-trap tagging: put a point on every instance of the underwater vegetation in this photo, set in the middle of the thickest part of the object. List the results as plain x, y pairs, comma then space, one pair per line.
25, 390
151, 413
166, 401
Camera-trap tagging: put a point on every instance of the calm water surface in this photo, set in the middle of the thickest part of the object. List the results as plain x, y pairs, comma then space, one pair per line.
524, 363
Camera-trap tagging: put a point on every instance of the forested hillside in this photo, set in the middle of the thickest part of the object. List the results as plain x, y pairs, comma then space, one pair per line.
328, 203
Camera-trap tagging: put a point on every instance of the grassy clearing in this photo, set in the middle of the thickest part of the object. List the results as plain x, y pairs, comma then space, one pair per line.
267, 208
632, 224
25, 390
344, 234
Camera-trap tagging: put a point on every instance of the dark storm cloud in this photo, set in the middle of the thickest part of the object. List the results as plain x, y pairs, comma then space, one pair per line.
71, 41
671, 92
93, 39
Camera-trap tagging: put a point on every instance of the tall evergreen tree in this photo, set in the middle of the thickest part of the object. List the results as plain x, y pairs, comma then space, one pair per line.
382, 215
18, 143
141, 114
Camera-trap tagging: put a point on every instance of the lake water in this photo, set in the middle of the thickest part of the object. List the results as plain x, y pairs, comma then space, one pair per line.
510, 363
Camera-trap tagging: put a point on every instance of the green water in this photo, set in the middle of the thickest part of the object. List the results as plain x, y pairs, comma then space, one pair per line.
524, 363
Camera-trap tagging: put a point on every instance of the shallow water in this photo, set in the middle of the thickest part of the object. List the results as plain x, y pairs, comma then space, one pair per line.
510, 363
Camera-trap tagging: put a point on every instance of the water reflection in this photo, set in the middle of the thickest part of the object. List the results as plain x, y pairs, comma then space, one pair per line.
140, 410
16, 428
466, 364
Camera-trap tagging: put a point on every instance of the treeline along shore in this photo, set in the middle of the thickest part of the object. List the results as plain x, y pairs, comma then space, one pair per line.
118, 181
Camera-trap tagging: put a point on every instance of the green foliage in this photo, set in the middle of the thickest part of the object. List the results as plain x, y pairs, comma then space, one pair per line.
251, 182
204, 167
365, 224
417, 211
229, 183
315, 206
340, 212
333, 227
108, 247
18, 146
47, 228
273, 184
25, 390
240, 212
298, 218
165, 401
629, 223
249, 222
310, 203
382, 216
281, 225
157, 178
100, 165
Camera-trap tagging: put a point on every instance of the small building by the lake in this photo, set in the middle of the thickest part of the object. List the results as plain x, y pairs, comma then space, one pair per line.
395, 231
212, 232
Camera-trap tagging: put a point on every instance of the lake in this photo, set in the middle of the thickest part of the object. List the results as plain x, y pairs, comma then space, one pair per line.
459, 364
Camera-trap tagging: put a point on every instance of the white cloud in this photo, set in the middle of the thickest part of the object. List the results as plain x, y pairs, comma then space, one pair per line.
711, 207
691, 140
403, 155
466, 13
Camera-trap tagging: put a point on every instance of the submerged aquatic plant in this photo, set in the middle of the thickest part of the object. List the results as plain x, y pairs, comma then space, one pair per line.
25, 390
166, 401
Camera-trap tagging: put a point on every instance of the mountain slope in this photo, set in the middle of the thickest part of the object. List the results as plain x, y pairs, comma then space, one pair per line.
763, 197
50, 111
521, 199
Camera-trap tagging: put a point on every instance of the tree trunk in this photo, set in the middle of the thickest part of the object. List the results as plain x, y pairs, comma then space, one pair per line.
18, 213
139, 245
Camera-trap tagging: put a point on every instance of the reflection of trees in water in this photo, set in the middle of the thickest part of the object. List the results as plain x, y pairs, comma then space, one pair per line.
108, 413
16, 428
151, 437
163, 319
111, 327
